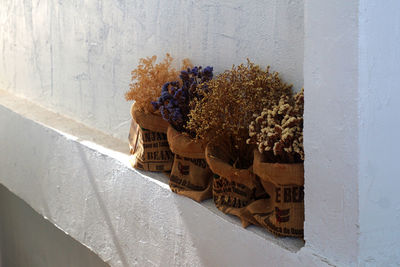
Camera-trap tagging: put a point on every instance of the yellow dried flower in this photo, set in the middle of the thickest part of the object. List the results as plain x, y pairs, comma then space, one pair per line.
229, 105
148, 79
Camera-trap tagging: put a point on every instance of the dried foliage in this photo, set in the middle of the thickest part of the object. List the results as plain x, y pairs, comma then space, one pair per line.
278, 132
177, 95
227, 108
148, 79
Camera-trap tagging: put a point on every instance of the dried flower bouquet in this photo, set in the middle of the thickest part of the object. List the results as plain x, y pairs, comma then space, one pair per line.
174, 102
226, 109
278, 162
148, 134
190, 174
148, 79
278, 131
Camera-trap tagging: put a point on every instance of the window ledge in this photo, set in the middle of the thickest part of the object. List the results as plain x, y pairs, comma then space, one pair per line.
80, 180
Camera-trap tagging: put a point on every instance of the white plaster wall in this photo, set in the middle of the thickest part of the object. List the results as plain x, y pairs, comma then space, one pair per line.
27, 239
330, 129
75, 57
351, 76
379, 174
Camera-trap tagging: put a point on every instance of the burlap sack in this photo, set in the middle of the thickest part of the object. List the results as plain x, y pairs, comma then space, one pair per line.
148, 142
190, 174
283, 213
233, 189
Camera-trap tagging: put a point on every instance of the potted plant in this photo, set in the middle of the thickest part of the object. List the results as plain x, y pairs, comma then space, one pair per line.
278, 161
147, 137
190, 174
222, 117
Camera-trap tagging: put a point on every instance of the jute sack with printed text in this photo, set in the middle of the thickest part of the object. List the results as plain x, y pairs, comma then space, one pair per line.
283, 213
233, 189
190, 174
148, 142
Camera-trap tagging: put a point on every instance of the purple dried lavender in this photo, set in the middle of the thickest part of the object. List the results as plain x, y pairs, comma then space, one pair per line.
176, 96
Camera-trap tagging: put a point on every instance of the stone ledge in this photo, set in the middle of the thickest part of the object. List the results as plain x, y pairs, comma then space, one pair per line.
80, 180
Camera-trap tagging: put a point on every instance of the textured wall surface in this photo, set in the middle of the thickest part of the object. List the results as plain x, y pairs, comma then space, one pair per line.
379, 173
351, 127
27, 239
75, 57
331, 129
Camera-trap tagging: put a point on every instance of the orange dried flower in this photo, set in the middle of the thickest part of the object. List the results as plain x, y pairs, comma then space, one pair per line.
148, 78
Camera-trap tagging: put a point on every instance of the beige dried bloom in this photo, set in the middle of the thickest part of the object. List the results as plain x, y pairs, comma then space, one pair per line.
148, 79
278, 131
227, 107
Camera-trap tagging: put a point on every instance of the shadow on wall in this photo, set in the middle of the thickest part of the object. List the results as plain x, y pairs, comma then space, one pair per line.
27, 239
103, 207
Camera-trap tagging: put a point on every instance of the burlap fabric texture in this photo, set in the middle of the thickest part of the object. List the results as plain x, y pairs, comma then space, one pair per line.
233, 189
190, 174
283, 213
148, 142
